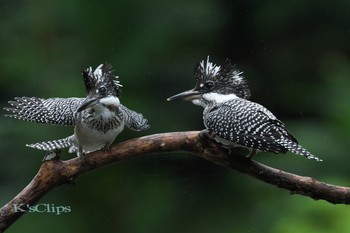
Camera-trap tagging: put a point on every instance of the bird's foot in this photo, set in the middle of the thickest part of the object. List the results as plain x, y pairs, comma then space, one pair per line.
80, 152
82, 156
208, 133
106, 148
52, 155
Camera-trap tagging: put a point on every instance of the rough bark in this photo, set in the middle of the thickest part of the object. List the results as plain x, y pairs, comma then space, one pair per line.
53, 173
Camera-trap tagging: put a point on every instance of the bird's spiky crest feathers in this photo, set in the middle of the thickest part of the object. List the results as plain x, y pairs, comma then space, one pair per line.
102, 75
227, 79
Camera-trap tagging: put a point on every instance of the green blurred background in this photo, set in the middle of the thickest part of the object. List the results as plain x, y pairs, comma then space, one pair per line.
295, 55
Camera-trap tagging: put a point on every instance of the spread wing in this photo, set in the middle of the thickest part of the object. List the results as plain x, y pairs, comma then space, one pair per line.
58, 111
133, 120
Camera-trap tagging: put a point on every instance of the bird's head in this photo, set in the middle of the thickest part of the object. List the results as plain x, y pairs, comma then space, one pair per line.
215, 84
102, 86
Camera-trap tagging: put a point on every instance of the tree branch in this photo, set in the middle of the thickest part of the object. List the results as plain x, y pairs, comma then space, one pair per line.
53, 173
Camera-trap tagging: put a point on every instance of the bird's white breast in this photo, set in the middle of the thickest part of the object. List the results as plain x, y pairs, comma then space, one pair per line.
89, 139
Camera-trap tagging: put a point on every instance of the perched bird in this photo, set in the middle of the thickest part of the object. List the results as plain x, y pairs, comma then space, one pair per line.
232, 118
97, 119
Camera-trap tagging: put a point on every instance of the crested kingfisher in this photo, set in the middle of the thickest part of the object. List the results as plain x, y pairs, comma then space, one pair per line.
97, 119
234, 120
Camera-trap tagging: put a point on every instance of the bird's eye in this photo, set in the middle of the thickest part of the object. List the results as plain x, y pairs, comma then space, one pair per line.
102, 90
209, 84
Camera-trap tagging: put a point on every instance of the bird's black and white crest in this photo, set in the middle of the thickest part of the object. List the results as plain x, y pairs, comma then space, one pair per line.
102, 80
223, 79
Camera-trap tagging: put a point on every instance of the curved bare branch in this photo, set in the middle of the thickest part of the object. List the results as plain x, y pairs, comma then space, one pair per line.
53, 173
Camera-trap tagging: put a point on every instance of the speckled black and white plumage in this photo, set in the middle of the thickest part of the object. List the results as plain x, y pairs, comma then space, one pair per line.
133, 120
98, 118
57, 111
101, 128
62, 111
234, 120
54, 144
247, 124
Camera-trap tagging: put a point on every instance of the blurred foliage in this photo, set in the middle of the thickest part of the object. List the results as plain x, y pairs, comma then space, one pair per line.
295, 55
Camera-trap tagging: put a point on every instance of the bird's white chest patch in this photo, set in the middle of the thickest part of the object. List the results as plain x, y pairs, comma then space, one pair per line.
218, 98
110, 100
90, 139
105, 106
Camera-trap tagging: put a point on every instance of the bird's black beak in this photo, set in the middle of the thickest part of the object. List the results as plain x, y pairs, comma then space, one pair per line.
186, 95
88, 102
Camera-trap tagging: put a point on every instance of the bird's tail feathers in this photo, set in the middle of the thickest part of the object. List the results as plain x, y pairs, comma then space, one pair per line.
54, 144
297, 149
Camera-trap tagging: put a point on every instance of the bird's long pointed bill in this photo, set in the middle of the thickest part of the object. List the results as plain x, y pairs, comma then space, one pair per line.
87, 103
186, 95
